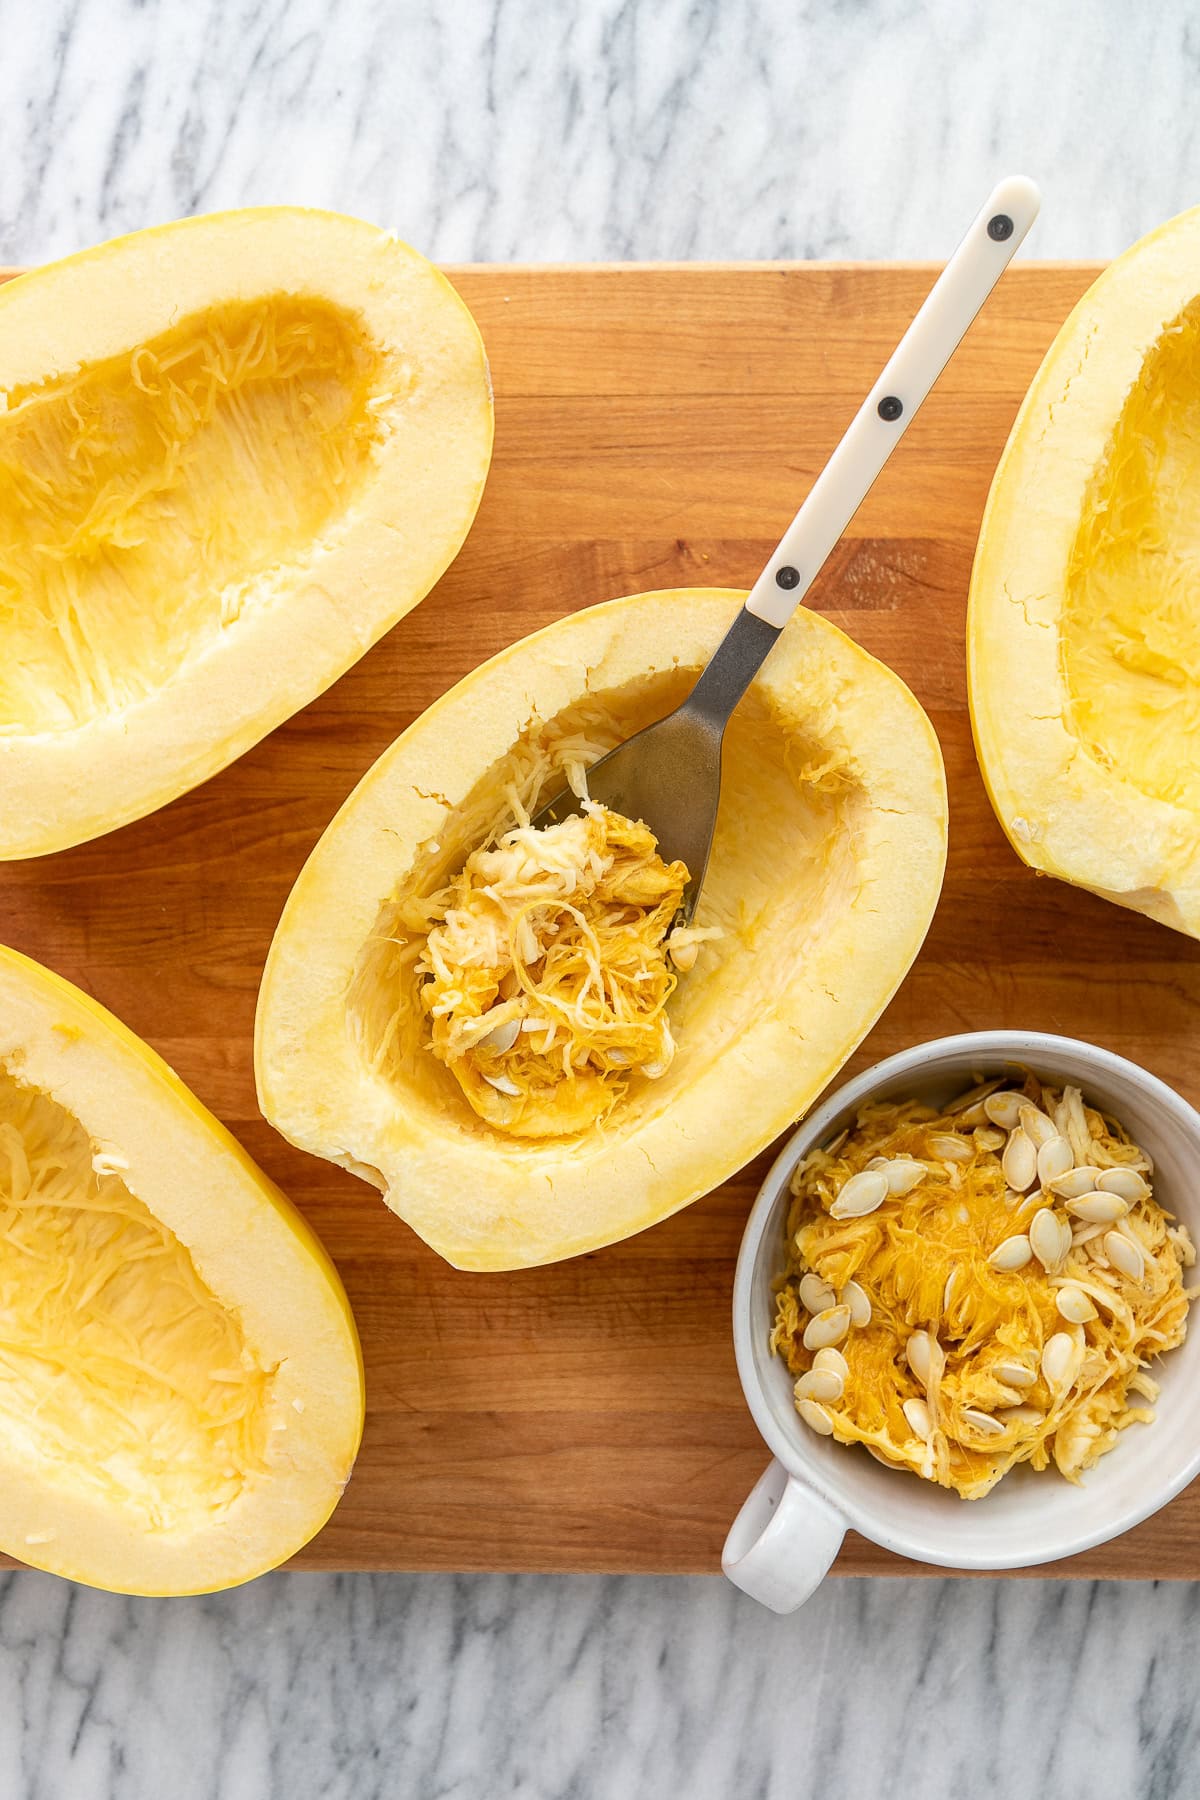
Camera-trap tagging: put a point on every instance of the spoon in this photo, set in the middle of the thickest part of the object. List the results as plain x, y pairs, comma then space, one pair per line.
668, 775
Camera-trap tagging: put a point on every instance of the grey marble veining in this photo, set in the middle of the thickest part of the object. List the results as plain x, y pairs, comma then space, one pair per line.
583, 129
586, 1688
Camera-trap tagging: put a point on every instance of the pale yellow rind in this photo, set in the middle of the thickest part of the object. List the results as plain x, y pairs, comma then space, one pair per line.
1063, 810
491, 1203
367, 570
254, 1252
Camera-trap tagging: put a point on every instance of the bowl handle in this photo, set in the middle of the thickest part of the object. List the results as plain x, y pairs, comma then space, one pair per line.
782, 1542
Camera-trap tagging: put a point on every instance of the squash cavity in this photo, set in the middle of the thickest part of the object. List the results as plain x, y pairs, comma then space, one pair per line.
121, 1374
1131, 626
147, 499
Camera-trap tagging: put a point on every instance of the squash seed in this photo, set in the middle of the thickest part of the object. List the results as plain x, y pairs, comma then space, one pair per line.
1054, 1158
859, 1303
988, 1137
920, 1420
815, 1417
948, 1290
1021, 1415
973, 1099
1086, 1234
501, 1037
1049, 1239
860, 1195
828, 1327
1004, 1108
919, 1354
816, 1295
1019, 1161
1075, 1183
902, 1173
1012, 1254
981, 1421
948, 1148
1125, 1255
1013, 1374
888, 1462
830, 1358
503, 1085
1074, 1305
1098, 1208
1036, 1126
1126, 1183
1058, 1361
820, 1384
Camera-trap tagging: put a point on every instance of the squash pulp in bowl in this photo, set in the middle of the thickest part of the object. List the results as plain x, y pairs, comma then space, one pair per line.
825, 871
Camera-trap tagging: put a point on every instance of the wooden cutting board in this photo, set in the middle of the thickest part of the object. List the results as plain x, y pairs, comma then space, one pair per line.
655, 426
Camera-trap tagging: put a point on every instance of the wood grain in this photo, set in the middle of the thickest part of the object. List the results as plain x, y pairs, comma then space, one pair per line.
655, 426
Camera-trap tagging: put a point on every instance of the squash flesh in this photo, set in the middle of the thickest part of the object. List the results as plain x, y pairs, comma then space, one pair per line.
546, 968
146, 499
120, 1371
1131, 626
181, 1385
1083, 650
234, 451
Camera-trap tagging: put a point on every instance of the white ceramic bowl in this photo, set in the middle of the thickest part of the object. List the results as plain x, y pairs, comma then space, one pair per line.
788, 1532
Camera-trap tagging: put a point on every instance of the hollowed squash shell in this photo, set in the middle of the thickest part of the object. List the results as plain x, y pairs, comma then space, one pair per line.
181, 1387
825, 872
233, 452
1084, 623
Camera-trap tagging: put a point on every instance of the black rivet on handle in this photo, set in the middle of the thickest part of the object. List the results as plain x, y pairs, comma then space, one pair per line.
890, 408
1000, 227
787, 577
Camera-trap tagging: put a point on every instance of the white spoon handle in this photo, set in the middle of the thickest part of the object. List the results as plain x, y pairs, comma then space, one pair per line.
915, 364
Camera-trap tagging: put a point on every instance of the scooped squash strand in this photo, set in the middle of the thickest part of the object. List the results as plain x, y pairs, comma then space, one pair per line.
992, 1280
547, 966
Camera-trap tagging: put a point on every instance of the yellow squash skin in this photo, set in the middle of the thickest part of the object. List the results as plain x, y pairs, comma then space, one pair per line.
1083, 646
112, 1469
234, 451
825, 873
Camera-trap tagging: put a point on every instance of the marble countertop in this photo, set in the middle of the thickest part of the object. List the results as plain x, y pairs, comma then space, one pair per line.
562, 130
542, 130
544, 1687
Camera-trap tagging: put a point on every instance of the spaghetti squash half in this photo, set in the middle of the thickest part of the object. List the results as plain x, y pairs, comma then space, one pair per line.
233, 452
825, 871
181, 1389
1083, 636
